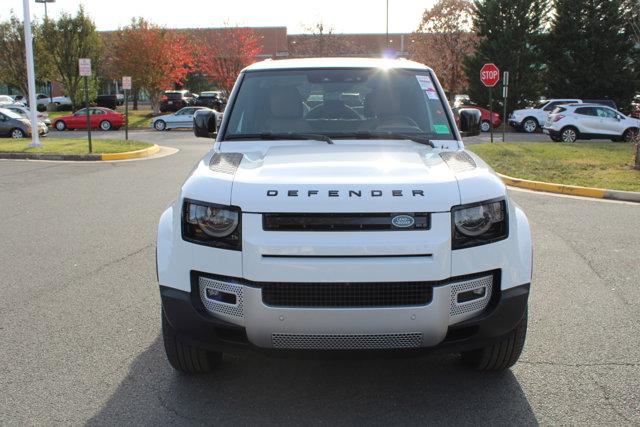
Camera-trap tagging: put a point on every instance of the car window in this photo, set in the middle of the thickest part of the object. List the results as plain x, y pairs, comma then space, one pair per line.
558, 110
586, 111
96, 111
605, 112
10, 114
80, 112
339, 103
551, 106
185, 111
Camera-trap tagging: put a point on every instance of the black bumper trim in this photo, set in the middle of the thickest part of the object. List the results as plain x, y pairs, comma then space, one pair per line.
202, 330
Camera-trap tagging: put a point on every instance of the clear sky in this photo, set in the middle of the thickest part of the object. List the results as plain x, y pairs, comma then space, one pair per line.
345, 16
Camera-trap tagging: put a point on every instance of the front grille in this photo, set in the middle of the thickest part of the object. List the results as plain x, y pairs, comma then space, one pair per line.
346, 341
345, 221
328, 295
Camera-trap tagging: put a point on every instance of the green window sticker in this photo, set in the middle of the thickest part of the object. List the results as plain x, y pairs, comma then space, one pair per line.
440, 129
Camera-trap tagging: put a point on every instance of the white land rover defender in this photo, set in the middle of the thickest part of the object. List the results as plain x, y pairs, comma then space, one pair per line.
355, 223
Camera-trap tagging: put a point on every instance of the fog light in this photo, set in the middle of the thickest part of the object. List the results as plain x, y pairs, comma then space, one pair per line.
472, 294
220, 296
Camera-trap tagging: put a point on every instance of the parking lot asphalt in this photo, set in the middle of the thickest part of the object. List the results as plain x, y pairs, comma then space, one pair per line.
80, 325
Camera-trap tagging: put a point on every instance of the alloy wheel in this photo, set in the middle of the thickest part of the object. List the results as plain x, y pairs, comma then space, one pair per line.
530, 126
17, 134
569, 135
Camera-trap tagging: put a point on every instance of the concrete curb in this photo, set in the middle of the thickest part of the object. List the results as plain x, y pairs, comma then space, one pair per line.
145, 152
573, 190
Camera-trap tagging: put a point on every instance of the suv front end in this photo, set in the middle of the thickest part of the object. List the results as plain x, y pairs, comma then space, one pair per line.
366, 245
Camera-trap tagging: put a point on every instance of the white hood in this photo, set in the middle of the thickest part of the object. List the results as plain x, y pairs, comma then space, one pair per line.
345, 178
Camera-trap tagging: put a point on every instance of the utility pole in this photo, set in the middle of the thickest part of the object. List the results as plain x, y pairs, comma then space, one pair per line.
387, 18
45, 20
31, 78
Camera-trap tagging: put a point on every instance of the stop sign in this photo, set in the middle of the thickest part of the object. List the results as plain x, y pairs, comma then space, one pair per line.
489, 75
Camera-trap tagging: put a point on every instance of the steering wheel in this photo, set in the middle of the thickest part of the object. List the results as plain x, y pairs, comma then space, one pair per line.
342, 112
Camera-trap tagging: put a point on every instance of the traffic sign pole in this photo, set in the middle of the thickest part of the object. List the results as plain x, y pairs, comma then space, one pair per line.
126, 86
126, 116
84, 65
86, 107
489, 76
491, 112
505, 93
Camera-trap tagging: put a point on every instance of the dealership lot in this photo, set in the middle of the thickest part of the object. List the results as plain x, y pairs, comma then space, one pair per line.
80, 318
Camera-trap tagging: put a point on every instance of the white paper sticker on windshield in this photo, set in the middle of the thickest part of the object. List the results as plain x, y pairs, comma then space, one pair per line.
427, 85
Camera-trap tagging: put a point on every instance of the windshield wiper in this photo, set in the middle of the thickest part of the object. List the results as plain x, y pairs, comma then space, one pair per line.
394, 135
284, 135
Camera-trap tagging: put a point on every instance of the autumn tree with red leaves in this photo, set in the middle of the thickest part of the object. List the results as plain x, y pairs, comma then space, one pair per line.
222, 53
154, 57
443, 39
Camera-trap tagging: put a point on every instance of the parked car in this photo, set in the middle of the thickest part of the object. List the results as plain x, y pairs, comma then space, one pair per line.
311, 236
182, 118
211, 99
6, 100
107, 101
568, 123
173, 100
486, 123
101, 118
26, 111
16, 126
531, 119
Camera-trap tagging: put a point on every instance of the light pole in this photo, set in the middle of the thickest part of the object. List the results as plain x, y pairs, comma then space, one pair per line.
31, 79
387, 18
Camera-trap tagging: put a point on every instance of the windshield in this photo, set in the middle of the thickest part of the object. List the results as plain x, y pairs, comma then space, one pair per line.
339, 103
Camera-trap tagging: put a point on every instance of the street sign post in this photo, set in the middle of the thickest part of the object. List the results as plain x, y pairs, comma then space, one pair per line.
489, 76
505, 93
126, 86
84, 64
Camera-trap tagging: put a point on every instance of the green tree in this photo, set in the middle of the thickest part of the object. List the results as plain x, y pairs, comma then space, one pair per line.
510, 33
590, 51
67, 40
13, 57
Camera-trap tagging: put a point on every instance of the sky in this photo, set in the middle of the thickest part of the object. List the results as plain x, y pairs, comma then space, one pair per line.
344, 16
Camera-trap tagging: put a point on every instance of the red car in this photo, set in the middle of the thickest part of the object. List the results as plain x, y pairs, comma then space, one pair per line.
100, 118
484, 126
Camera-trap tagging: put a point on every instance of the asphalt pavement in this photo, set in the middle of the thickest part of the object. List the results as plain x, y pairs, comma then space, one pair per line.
80, 325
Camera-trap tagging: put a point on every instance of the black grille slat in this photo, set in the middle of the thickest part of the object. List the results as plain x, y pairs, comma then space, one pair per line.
342, 295
341, 221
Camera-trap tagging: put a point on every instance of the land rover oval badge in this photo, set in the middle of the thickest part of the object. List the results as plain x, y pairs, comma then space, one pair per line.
402, 221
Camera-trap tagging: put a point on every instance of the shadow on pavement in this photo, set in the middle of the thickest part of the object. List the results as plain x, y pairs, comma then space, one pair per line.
433, 390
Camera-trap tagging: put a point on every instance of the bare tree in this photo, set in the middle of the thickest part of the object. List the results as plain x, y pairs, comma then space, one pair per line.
321, 41
443, 39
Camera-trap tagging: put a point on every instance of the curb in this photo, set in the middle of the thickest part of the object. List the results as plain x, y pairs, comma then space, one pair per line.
573, 190
145, 152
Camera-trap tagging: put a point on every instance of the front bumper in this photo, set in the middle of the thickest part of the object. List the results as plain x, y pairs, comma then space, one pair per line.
515, 123
288, 330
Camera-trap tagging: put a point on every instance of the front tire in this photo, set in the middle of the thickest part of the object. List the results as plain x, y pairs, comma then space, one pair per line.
184, 357
501, 355
60, 125
630, 135
485, 126
529, 125
160, 125
17, 134
105, 125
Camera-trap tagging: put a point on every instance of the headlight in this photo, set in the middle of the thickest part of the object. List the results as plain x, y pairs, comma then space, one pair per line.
478, 223
211, 225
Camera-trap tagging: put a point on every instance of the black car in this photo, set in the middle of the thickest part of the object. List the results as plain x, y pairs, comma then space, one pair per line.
212, 99
108, 101
173, 100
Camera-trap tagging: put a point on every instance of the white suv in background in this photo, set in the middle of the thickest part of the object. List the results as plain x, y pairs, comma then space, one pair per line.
569, 123
530, 119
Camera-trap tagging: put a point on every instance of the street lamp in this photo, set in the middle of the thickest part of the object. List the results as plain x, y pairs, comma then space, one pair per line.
31, 79
45, 6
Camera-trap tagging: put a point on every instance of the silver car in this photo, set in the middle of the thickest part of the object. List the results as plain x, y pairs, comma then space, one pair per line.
16, 126
25, 111
183, 118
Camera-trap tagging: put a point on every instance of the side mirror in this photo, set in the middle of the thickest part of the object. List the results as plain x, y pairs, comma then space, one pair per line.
470, 120
204, 123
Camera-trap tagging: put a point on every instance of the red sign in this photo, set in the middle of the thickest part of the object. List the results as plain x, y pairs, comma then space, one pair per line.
489, 75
